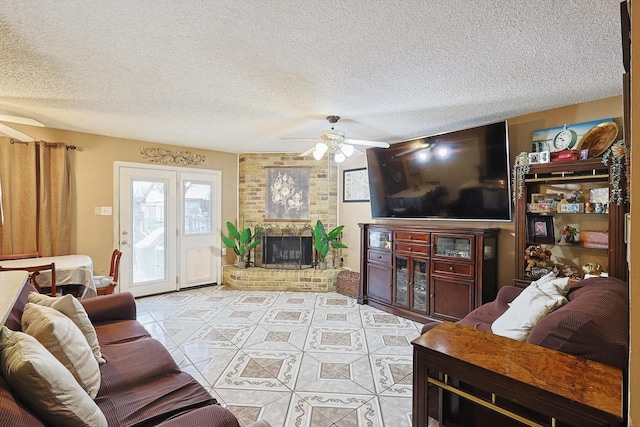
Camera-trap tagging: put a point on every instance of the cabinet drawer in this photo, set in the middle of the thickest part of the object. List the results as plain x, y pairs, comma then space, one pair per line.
453, 268
412, 236
413, 248
379, 257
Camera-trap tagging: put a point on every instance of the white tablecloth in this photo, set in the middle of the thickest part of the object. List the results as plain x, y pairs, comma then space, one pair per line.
70, 270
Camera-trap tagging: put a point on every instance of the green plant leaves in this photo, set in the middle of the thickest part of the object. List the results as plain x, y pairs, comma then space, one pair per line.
323, 240
241, 241
233, 231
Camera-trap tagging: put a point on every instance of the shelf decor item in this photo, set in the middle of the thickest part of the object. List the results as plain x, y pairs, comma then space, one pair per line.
520, 170
540, 229
596, 135
616, 155
569, 235
538, 260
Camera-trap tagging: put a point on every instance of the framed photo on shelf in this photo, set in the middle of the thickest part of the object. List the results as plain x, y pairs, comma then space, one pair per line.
355, 185
544, 157
584, 154
537, 198
540, 229
534, 158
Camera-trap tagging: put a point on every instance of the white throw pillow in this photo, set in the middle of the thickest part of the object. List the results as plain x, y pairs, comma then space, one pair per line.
71, 307
65, 341
42, 383
536, 301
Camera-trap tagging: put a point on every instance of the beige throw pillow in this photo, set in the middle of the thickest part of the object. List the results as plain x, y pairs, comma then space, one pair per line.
71, 307
65, 341
42, 383
536, 301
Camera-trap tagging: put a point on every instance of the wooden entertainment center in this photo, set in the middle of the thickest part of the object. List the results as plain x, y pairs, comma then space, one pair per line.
425, 272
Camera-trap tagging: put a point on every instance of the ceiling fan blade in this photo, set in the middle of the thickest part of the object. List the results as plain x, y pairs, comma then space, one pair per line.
309, 151
15, 134
20, 120
379, 144
300, 138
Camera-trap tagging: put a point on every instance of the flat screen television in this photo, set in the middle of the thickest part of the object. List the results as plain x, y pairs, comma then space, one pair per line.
461, 175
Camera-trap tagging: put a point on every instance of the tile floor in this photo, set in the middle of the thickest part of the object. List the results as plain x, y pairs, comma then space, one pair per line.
290, 358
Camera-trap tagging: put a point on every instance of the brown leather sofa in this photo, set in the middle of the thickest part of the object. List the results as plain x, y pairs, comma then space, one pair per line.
594, 324
141, 385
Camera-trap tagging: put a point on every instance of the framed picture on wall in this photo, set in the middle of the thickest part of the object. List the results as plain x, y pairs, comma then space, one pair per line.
355, 185
287, 195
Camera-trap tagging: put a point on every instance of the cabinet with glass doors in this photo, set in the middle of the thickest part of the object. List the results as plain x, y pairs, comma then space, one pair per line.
426, 272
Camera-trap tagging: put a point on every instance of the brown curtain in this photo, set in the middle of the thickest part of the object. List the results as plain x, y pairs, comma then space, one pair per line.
35, 198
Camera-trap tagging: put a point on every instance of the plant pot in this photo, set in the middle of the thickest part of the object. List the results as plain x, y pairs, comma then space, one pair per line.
322, 265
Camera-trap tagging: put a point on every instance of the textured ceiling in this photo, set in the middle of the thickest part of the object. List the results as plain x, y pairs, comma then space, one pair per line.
236, 76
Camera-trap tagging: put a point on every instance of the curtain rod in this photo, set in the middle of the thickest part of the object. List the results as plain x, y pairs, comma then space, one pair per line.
46, 144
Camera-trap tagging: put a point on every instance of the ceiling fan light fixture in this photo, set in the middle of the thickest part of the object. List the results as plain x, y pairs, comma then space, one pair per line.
347, 149
339, 157
321, 148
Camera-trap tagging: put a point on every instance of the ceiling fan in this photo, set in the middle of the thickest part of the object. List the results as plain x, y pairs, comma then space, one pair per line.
7, 130
334, 141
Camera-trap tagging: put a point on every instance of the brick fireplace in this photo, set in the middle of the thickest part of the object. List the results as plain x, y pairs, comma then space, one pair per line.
289, 263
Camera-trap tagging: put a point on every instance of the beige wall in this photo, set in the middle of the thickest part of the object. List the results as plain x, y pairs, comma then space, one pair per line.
520, 129
93, 180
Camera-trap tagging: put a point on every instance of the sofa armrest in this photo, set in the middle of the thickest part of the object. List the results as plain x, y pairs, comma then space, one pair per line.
110, 308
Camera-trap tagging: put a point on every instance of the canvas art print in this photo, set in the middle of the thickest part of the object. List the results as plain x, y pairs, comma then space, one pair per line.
287, 194
566, 137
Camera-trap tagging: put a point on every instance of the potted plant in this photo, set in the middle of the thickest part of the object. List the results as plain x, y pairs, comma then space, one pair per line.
323, 241
242, 242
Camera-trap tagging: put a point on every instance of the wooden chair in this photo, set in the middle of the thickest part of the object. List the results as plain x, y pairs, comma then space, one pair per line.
105, 285
7, 257
34, 272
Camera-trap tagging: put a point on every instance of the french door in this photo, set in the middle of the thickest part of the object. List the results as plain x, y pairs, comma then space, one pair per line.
168, 227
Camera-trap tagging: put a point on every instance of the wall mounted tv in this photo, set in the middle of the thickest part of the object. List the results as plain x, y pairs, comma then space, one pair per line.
461, 175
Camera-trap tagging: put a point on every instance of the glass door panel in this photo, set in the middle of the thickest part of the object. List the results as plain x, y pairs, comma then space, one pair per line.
402, 281
149, 230
420, 269
379, 239
459, 247
197, 207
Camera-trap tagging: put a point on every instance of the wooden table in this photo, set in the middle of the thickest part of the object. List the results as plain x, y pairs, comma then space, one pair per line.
513, 378
11, 283
70, 270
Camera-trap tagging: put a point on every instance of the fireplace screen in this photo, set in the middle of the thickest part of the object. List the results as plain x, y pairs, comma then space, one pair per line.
283, 248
